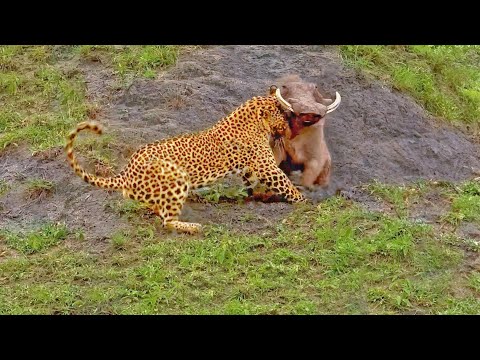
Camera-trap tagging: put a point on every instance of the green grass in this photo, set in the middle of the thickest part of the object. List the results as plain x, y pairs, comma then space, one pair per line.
35, 240
336, 258
445, 80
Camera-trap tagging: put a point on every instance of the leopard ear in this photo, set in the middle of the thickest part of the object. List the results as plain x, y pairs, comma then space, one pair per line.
263, 115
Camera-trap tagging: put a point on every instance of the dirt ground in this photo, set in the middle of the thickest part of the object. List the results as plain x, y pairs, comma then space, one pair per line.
376, 133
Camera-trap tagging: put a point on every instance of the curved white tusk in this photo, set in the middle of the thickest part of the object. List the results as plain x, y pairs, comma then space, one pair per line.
333, 106
284, 103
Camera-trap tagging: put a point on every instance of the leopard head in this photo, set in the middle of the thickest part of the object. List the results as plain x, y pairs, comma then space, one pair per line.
274, 118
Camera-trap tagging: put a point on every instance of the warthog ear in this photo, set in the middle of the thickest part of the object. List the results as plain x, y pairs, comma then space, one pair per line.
284, 90
284, 103
319, 98
273, 89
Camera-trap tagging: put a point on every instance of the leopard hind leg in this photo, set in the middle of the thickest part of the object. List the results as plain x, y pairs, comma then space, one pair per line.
163, 187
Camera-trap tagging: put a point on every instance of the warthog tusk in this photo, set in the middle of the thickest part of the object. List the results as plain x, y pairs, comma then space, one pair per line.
333, 106
284, 103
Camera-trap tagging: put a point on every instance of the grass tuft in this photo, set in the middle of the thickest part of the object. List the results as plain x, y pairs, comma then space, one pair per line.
35, 240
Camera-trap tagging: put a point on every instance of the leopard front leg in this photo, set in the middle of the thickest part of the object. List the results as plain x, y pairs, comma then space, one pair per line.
266, 171
255, 193
279, 183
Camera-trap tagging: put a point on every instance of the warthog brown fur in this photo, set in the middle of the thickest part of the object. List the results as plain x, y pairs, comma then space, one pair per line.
303, 147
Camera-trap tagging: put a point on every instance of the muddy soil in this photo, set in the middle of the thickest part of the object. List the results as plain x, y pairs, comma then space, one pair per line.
376, 133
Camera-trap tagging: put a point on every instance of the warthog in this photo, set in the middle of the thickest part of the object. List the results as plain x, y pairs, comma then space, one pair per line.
303, 146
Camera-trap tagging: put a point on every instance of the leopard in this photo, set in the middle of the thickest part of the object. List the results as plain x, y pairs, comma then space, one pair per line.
161, 174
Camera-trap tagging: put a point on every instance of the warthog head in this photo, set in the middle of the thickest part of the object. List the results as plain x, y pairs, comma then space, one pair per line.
303, 101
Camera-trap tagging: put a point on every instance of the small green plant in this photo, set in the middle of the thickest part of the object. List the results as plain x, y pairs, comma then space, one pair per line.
79, 234
471, 188
95, 52
119, 240
127, 207
472, 245
40, 184
4, 187
221, 191
39, 187
465, 204
7, 57
10, 82
35, 240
